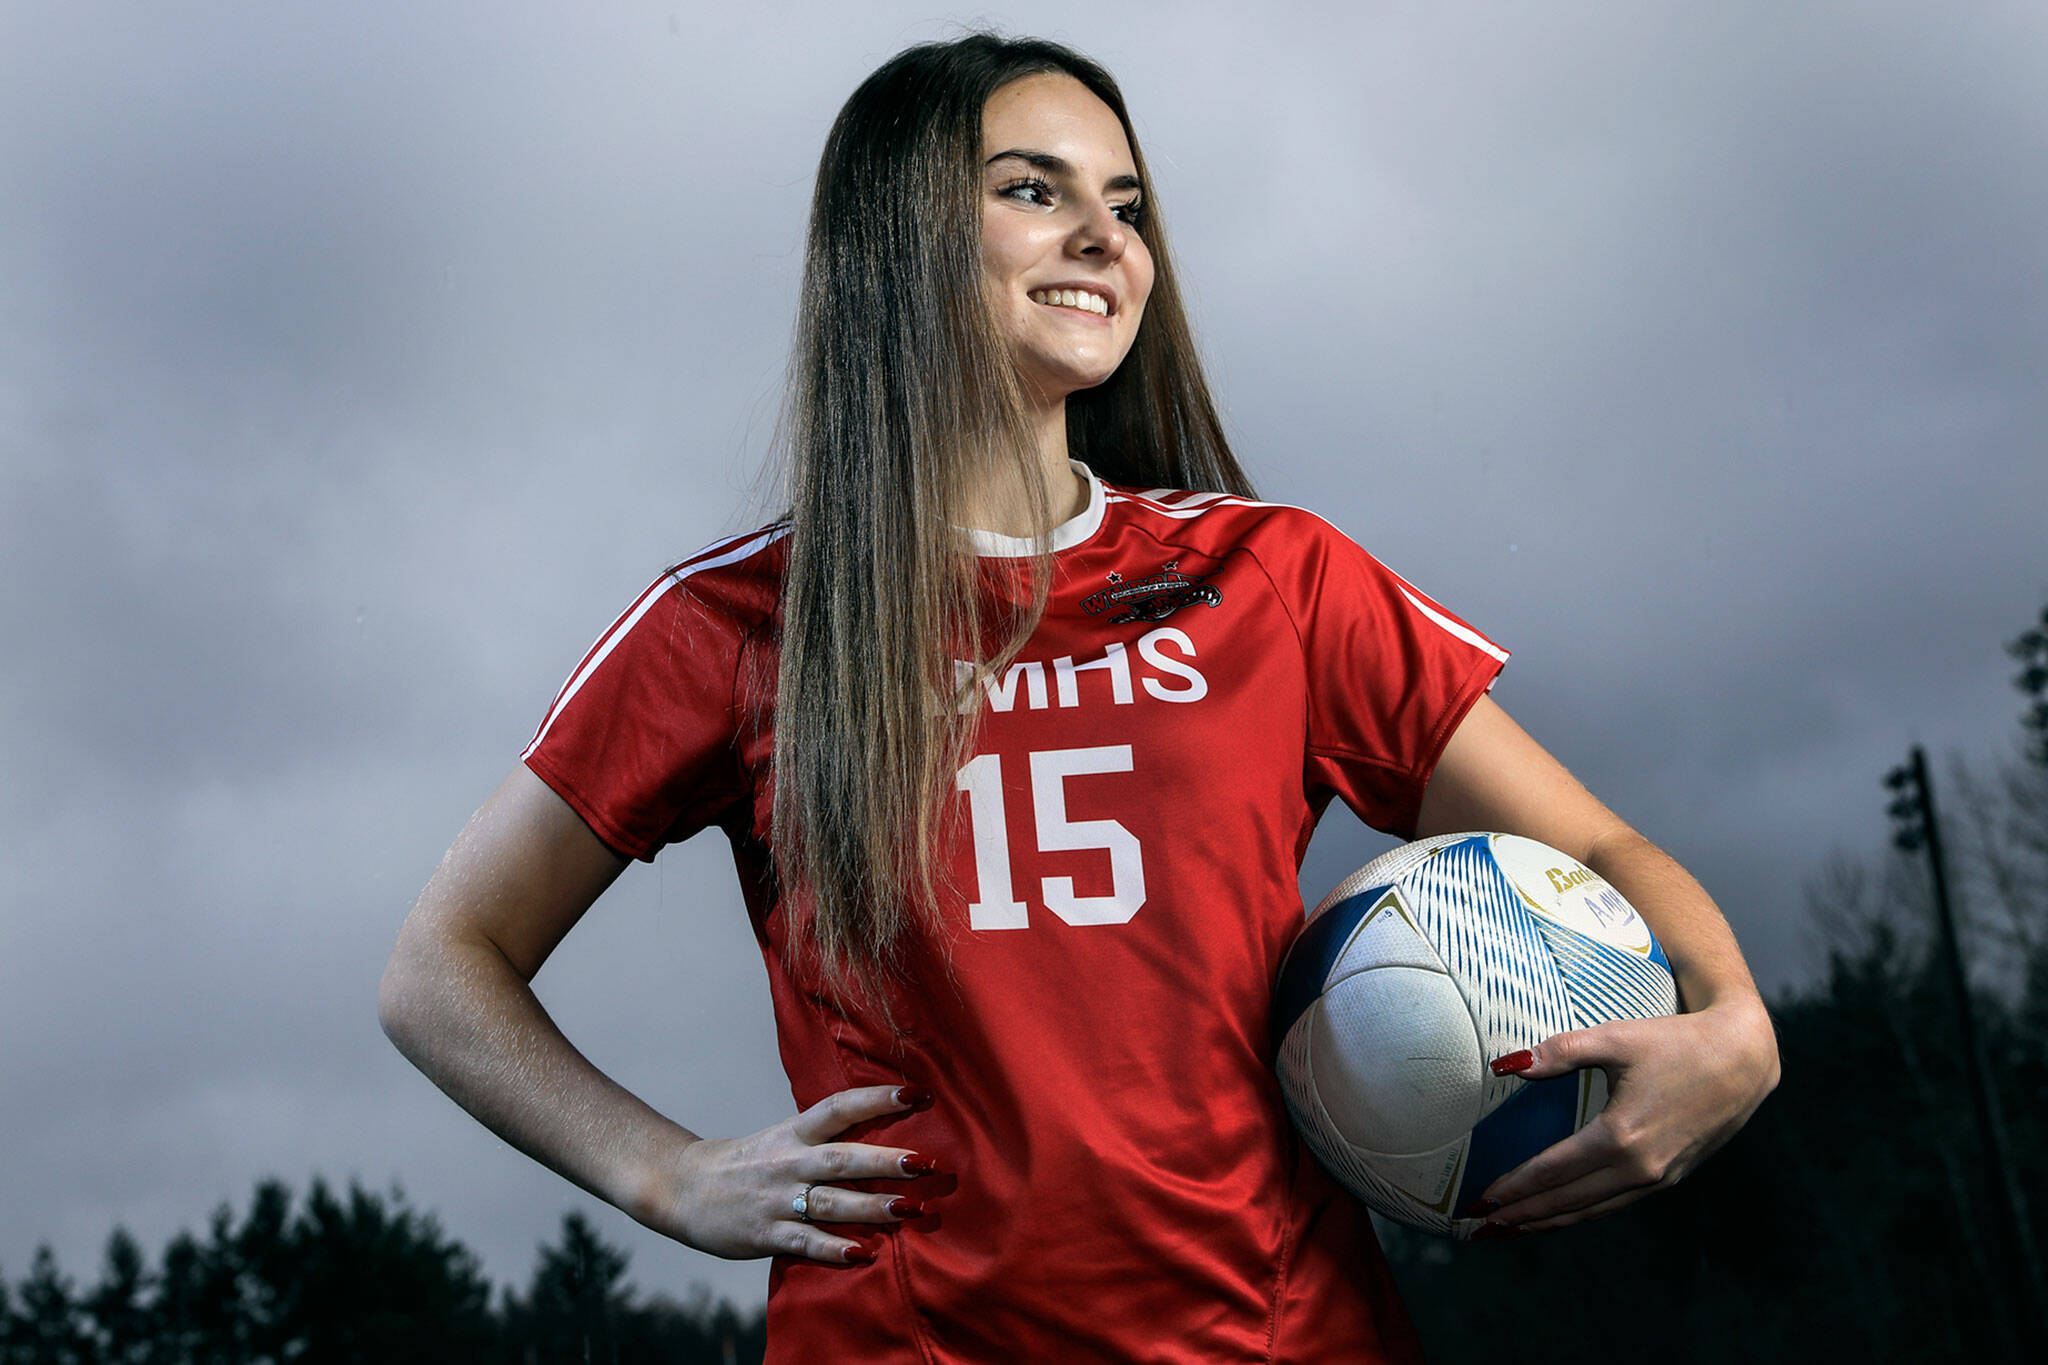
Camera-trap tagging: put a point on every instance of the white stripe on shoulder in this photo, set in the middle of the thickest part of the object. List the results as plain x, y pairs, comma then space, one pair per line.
1179, 497
1193, 505
1461, 631
716, 555
1187, 510
719, 546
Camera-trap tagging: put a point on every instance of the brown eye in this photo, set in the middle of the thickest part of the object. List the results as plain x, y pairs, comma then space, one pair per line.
1032, 191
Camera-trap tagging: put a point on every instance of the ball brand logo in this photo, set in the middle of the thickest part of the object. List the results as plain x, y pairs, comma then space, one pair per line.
1562, 880
1610, 909
1601, 901
1152, 598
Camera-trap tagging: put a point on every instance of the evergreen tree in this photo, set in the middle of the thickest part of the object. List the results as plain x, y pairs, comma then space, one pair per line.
373, 1280
7, 1336
48, 1327
355, 1277
578, 1310
194, 1326
123, 1327
2030, 648
576, 1305
262, 1271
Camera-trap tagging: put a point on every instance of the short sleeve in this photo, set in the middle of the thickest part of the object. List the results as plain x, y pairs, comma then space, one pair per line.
1390, 671
641, 739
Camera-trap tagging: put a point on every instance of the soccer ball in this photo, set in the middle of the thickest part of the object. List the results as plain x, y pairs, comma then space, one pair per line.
1419, 969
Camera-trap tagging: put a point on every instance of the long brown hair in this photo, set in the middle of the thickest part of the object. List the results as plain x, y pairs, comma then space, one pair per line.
902, 390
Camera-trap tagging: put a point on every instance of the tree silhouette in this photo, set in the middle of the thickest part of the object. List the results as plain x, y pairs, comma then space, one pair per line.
376, 1280
123, 1328
354, 1276
575, 1305
578, 1310
194, 1320
2030, 648
46, 1327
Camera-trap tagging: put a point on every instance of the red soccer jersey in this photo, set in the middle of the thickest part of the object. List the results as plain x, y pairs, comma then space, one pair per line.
1119, 1178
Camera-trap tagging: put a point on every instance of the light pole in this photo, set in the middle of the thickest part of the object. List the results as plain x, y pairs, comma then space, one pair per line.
1913, 808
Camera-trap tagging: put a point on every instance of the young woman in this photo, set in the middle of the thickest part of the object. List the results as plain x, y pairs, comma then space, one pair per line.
1018, 745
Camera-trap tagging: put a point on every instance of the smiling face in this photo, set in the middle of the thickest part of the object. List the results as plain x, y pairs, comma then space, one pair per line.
1063, 265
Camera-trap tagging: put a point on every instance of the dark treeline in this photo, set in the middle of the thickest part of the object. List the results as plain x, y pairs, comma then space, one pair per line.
1856, 1217
356, 1278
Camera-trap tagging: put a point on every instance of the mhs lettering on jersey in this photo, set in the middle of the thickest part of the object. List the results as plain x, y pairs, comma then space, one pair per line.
1027, 677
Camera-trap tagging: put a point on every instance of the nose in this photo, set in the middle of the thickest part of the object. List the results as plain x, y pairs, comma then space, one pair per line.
1100, 235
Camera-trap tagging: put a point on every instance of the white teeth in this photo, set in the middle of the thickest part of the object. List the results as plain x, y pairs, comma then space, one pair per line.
1072, 298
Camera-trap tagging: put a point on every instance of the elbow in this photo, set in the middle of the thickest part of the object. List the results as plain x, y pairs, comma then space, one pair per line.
432, 984
1758, 1054
398, 996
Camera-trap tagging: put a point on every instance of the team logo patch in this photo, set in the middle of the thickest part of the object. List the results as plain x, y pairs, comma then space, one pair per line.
1152, 598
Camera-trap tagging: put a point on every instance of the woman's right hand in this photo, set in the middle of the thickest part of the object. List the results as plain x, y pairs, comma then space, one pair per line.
736, 1197
457, 1000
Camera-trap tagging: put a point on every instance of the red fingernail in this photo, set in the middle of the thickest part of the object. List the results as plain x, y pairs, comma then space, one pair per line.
914, 1096
899, 1207
859, 1255
917, 1163
1482, 1207
1515, 1063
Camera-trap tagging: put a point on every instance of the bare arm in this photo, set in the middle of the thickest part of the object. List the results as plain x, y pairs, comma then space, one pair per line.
1681, 1087
456, 1001
455, 997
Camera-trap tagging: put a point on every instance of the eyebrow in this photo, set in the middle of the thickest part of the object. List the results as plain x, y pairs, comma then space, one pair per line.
1056, 165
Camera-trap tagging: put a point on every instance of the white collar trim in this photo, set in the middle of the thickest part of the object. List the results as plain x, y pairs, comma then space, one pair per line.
1066, 535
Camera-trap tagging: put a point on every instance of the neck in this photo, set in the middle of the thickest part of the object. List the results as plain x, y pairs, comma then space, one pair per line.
1000, 500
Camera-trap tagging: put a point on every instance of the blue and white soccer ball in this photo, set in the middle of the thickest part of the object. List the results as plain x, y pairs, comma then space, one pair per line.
1419, 969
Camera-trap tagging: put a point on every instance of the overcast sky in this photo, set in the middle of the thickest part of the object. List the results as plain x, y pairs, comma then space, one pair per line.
359, 363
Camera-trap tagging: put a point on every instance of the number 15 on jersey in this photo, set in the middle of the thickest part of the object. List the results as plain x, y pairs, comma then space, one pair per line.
994, 905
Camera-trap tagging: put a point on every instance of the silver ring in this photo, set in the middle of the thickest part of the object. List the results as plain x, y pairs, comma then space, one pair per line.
802, 1204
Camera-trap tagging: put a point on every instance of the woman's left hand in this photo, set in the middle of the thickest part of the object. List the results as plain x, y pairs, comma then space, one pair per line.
1678, 1088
